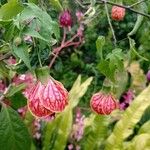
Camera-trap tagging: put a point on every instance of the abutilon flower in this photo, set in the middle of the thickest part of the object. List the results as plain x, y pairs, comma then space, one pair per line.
47, 97
117, 13
65, 19
34, 104
78, 126
103, 104
53, 96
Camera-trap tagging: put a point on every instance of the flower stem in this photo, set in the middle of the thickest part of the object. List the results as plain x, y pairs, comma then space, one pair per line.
111, 27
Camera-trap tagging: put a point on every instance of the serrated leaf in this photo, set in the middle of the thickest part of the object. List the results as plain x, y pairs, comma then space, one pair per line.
13, 133
95, 132
22, 53
140, 142
124, 127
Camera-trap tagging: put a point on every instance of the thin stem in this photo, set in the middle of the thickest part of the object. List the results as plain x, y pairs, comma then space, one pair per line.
137, 3
39, 58
53, 60
111, 27
64, 36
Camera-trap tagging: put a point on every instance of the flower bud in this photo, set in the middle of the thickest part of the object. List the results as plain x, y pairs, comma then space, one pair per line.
65, 19
117, 13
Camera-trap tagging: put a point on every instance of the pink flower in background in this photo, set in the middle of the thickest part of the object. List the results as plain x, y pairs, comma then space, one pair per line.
79, 15
28, 38
22, 111
24, 78
78, 126
2, 86
11, 61
36, 129
148, 76
126, 99
70, 147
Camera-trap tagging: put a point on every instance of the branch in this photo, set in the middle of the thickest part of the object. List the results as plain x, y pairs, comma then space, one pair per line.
123, 6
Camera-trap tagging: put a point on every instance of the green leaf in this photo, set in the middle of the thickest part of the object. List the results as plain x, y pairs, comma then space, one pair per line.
124, 127
133, 50
10, 9
34, 34
140, 142
109, 72
56, 4
22, 52
100, 42
13, 133
14, 89
142, 8
18, 100
145, 128
4, 71
78, 90
95, 132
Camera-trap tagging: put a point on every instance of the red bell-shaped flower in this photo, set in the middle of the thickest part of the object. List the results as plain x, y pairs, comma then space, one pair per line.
47, 96
117, 13
65, 19
103, 104
53, 96
34, 104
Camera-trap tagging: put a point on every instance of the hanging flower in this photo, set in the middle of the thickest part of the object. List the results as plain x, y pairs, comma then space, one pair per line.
53, 95
34, 104
117, 13
65, 19
103, 104
47, 96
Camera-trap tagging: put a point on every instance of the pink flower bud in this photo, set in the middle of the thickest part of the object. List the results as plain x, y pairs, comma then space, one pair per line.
79, 15
117, 13
103, 104
65, 19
